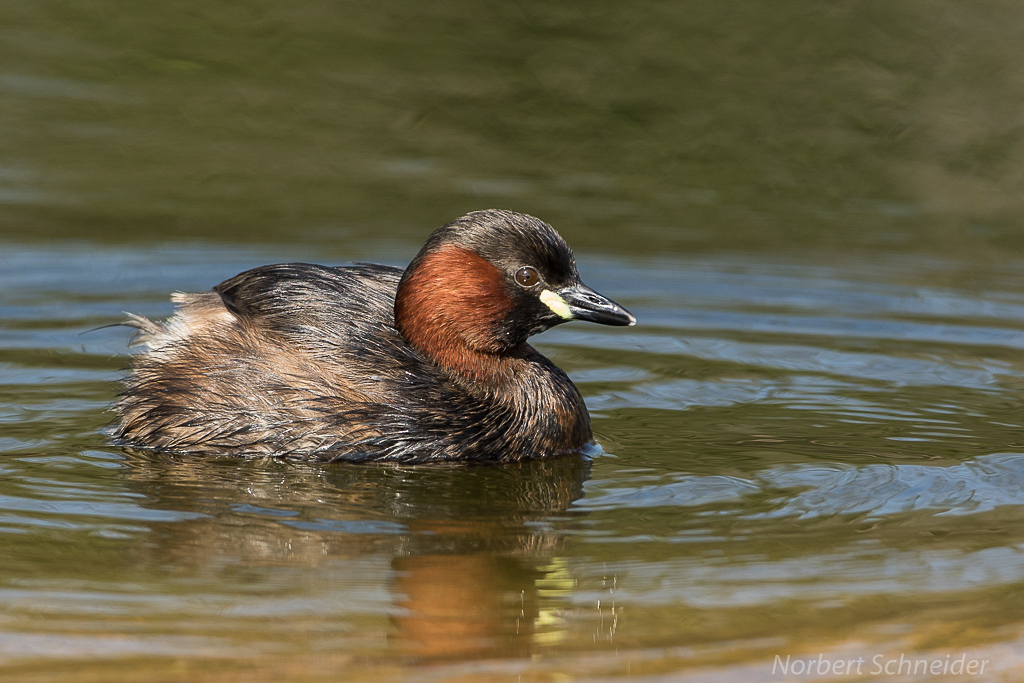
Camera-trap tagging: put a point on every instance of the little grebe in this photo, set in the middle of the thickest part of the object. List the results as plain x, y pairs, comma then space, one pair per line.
365, 362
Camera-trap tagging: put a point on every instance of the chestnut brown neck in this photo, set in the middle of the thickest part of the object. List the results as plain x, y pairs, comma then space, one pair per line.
448, 308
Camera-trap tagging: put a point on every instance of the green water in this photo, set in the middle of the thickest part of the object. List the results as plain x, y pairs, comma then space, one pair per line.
812, 440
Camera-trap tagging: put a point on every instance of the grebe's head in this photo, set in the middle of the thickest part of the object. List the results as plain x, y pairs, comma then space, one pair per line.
487, 281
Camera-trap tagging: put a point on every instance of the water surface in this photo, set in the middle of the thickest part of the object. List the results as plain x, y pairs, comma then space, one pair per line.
797, 457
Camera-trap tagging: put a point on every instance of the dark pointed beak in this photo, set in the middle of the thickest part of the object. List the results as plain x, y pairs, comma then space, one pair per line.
586, 304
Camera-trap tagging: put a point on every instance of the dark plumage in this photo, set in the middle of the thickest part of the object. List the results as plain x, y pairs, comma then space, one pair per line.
366, 362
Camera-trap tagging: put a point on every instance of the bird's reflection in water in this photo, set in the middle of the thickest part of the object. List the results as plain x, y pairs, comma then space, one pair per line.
473, 551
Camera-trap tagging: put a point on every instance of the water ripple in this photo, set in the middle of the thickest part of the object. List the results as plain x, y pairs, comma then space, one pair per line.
89, 508
812, 490
975, 486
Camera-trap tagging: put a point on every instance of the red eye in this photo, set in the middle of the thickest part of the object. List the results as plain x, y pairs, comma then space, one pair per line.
527, 276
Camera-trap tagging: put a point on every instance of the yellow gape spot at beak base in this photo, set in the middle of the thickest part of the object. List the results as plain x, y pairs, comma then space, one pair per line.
556, 304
